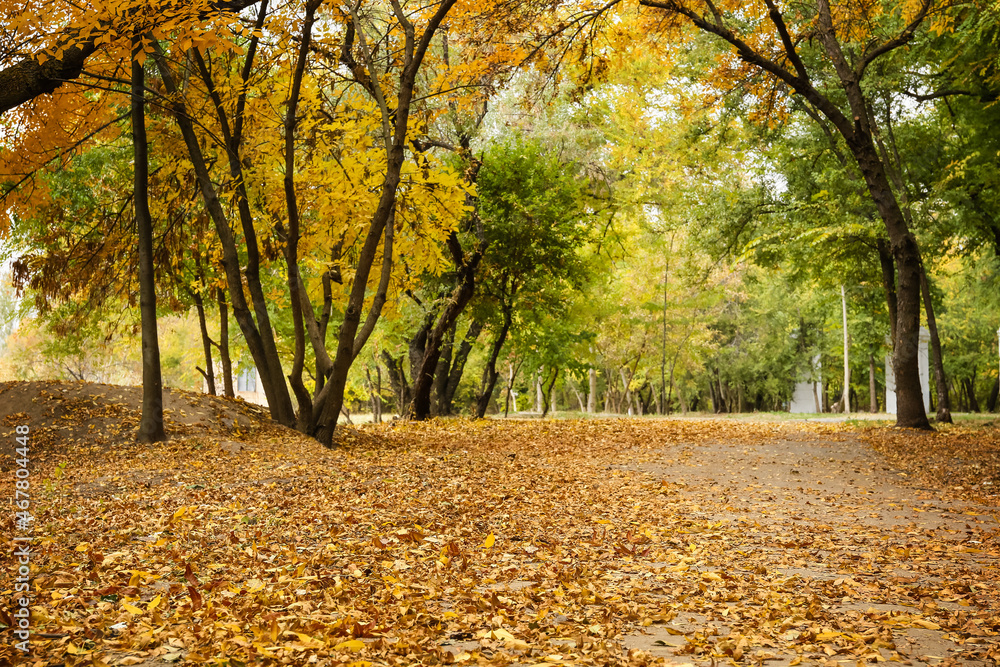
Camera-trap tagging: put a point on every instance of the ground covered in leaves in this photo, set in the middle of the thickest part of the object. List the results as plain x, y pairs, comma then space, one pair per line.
598, 542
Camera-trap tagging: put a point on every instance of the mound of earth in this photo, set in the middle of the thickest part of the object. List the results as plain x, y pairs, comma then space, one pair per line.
73, 416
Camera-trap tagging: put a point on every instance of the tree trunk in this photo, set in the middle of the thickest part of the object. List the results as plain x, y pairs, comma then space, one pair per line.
206, 342
378, 392
224, 358
507, 391
440, 385
397, 380
872, 385
940, 381
722, 406
909, 399
579, 397
847, 362
296, 289
459, 299
608, 390
416, 348
970, 390
490, 371
626, 392
151, 421
458, 362
375, 392
547, 394
992, 402
348, 346
592, 393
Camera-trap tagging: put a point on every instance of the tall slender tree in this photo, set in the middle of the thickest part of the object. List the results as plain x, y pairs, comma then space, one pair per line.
151, 421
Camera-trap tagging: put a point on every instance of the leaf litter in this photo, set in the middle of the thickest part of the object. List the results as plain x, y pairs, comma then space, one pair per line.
597, 542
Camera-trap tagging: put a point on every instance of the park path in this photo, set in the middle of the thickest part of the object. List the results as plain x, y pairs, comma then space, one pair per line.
827, 511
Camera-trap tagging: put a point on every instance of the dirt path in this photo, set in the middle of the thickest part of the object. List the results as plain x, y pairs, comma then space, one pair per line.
827, 509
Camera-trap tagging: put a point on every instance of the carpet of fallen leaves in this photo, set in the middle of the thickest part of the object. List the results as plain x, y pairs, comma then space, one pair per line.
459, 542
961, 458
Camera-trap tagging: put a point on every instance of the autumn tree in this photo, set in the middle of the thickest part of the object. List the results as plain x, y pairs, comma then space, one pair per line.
822, 52
533, 208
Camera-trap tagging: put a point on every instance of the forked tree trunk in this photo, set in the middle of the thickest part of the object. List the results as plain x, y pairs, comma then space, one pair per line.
151, 421
424, 382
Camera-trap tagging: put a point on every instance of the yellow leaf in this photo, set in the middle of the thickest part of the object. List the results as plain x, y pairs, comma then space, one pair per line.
830, 635
135, 611
312, 642
154, 603
352, 645
490, 541
72, 649
930, 625
502, 635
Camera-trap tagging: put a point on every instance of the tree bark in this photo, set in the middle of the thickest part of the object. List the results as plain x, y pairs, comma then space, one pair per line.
206, 342
291, 250
458, 362
940, 381
397, 380
456, 304
490, 371
547, 395
847, 362
440, 384
151, 421
592, 392
888, 284
872, 385
539, 394
375, 392
224, 358
970, 391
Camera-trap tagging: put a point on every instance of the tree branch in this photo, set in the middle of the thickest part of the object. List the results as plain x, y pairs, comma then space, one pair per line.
27, 79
